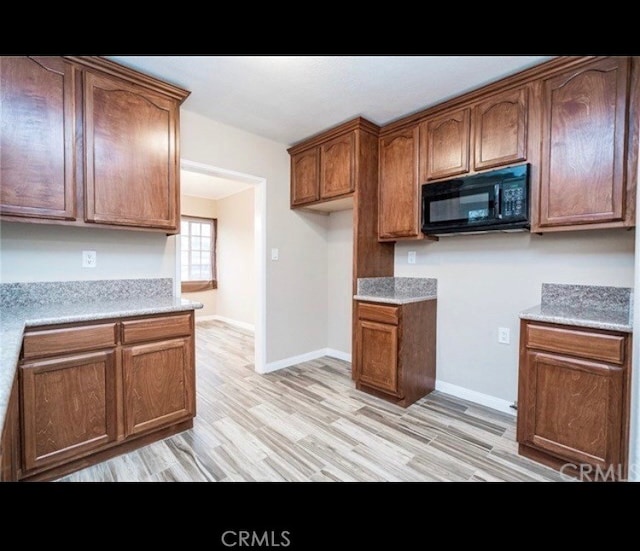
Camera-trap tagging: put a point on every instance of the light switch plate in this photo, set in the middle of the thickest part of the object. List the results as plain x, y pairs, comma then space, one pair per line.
275, 254
411, 257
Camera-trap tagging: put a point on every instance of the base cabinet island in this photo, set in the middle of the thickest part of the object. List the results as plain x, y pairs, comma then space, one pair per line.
395, 352
105, 379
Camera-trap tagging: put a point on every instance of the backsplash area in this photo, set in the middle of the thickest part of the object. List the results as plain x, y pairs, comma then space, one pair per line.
50, 292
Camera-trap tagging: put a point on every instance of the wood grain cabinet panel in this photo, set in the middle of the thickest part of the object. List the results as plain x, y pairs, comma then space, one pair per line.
10, 446
399, 187
130, 154
159, 386
573, 398
395, 350
337, 166
500, 129
305, 177
37, 133
584, 146
69, 407
447, 141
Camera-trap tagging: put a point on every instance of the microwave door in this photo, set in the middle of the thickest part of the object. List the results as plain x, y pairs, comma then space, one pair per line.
460, 208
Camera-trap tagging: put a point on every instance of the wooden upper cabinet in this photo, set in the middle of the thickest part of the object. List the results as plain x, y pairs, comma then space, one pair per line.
37, 137
305, 177
130, 154
446, 141
337, 166
85, 140
500, 129
324, 171
585, 124
398, 185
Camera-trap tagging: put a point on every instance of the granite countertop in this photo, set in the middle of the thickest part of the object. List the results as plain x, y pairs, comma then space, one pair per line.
396, 290
598, 307
33, 304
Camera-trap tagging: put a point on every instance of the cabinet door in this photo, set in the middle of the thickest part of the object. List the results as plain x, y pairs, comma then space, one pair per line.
446, 143
572, 408
500, 129
583, 145
131, 155
159, 384
337, 166
305, 177
377, 358
37, 137
399, 187
69, 407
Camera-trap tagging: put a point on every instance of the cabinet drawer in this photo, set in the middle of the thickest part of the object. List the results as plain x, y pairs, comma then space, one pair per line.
585, 344
54, 342
376, 312
156, 328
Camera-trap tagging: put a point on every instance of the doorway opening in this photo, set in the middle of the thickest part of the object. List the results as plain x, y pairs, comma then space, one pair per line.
237, 202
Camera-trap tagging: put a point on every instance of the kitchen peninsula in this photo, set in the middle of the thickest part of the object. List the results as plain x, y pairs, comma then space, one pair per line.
96, 367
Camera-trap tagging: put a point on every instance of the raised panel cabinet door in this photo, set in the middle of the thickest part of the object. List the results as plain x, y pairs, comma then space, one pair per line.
37, 137
500, 129
398, 185
69, 407
337, 166
159, 384
574, 408
378, 356
446, 144
130, 155
584, 128
305, 177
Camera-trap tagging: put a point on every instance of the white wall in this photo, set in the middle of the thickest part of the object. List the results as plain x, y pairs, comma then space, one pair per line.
38, 252
236, 293
205, 208
484, 281
296, 284
340, 286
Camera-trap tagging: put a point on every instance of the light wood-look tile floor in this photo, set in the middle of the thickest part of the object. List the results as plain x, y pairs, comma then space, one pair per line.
308, 423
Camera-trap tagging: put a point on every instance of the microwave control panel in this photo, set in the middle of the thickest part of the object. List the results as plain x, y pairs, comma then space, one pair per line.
514, 201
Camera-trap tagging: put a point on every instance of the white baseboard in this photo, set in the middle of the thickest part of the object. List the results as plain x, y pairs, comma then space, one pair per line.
477, 397
236, 323
293, 360
333, 353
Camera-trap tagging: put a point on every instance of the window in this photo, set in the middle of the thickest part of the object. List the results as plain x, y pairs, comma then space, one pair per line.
198, 254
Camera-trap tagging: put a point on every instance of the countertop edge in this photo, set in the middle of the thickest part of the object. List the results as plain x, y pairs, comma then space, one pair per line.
577, 322
392, 300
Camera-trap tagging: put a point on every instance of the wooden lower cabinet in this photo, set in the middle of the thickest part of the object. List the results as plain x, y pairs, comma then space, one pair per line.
10, 438
395, 354
80, 407
573, 399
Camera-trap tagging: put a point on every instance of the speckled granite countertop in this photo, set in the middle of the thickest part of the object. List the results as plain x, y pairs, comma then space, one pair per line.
48, 303
396, 290
598, 307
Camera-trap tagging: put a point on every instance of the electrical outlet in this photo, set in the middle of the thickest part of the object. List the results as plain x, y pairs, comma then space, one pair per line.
411, 257
89, 259
503, 335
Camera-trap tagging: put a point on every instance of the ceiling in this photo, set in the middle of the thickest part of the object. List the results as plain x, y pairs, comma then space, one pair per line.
289, 98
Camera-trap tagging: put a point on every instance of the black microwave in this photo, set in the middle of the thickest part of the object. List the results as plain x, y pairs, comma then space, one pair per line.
497, 200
